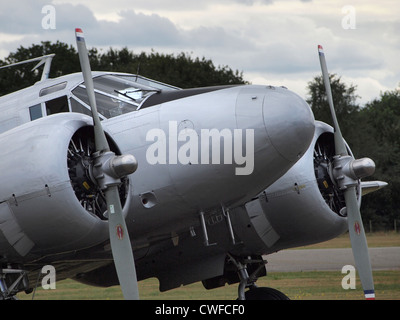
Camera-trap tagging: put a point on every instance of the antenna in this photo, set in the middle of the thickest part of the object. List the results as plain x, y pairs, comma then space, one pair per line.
46, 60
137, 71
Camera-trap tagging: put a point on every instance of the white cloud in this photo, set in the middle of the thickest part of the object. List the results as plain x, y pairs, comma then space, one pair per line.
270, 41
367, 88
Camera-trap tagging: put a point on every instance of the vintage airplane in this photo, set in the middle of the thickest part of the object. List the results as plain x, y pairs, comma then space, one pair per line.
112, 178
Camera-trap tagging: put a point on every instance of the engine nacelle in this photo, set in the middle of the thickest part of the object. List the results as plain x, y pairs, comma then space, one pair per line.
303, 207
39, 208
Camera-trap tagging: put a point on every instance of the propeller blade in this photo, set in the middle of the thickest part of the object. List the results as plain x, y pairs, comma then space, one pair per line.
108, 180
121, 246
99, 136
359, 243
339, 142
347, 171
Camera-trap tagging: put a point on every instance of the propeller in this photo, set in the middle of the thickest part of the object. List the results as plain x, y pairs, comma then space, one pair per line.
108, 169
346, 172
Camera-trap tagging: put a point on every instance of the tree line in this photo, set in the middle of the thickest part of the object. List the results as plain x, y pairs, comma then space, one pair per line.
180, 70
371, 131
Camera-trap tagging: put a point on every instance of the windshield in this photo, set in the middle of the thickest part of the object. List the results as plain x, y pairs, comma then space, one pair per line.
116, 94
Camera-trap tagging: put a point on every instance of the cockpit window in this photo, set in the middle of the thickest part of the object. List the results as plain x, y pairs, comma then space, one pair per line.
116, 94
123, 89
57, 105
107, 105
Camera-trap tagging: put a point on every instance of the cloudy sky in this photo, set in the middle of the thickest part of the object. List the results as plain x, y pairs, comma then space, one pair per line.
271, 41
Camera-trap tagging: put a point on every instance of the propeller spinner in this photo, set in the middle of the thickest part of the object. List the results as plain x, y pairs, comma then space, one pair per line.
108, 169
346, 171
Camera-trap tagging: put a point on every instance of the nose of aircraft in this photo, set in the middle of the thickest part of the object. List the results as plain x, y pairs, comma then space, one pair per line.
289, 122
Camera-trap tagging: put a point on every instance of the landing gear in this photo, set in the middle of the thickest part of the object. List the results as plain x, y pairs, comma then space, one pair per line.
246, 281
12, 280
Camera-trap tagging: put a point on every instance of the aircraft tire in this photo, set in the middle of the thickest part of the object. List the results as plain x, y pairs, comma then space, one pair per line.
265, 293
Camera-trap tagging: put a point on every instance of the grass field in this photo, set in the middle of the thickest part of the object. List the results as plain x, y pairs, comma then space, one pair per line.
313, 285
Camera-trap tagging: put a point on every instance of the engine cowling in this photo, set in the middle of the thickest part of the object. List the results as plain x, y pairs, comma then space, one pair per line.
42, 209
303, 207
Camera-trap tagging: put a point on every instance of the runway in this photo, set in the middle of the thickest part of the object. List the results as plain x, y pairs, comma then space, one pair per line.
385, 258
